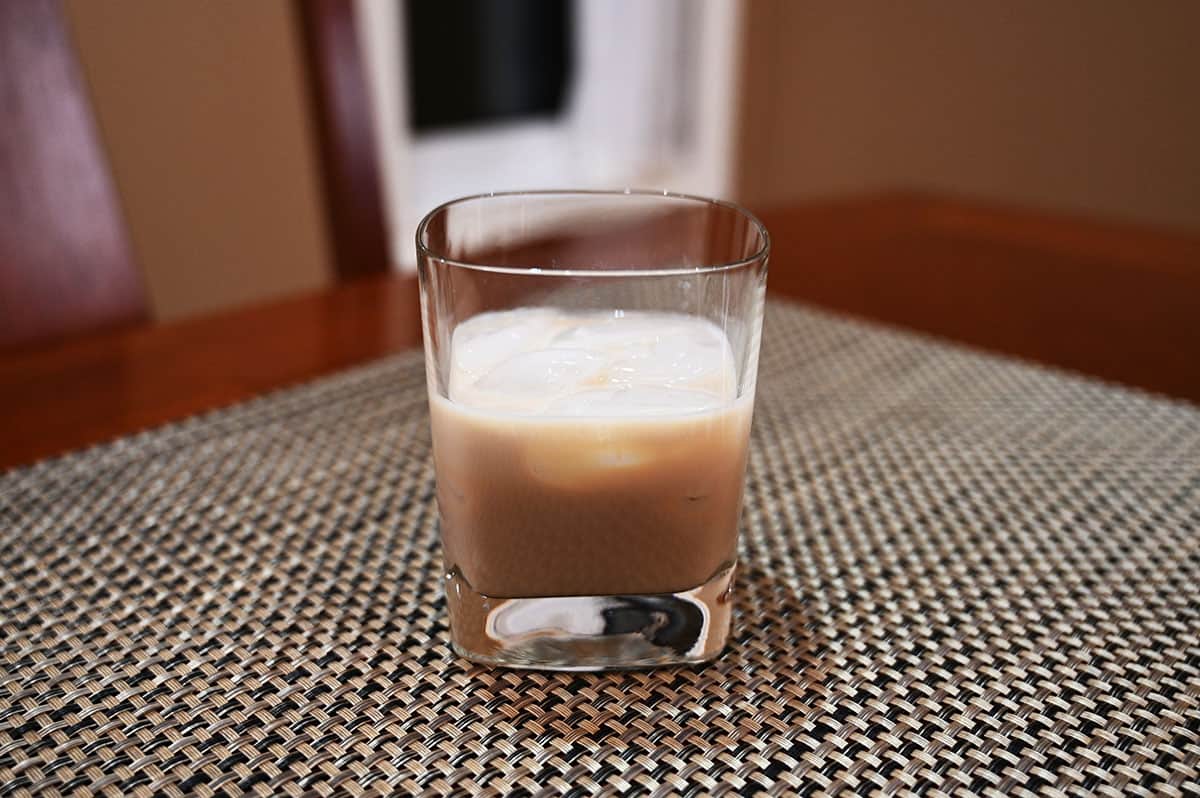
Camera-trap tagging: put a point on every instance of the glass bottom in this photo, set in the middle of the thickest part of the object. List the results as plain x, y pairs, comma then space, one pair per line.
591, 633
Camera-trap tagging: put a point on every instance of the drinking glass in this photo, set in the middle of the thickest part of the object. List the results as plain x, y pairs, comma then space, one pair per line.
591, 361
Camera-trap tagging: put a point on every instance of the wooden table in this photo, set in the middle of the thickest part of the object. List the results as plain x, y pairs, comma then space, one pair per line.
1115, 301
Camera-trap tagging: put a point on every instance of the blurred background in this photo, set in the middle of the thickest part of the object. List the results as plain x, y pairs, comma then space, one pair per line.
171, 158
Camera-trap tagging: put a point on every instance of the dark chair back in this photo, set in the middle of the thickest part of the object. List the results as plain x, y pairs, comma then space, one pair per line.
65, 261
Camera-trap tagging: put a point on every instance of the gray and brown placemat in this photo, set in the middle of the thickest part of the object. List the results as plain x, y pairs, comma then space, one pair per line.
961, 575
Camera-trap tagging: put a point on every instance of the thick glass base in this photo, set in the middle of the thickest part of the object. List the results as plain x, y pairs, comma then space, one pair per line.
591, 633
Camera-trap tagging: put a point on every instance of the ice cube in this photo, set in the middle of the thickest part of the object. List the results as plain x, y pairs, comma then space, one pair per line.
543, 373
484, 341
697, 358
619, 334
614, 449
635, 400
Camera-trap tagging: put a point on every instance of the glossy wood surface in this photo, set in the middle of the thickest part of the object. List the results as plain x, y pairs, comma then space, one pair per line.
1115, 301
79, 392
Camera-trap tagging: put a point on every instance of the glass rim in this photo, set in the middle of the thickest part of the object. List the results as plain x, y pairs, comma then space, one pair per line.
760, 254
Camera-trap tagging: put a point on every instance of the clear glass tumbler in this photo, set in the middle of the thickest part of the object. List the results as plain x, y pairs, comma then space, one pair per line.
591, 360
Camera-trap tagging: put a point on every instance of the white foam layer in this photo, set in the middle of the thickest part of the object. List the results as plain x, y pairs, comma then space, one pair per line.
541, 361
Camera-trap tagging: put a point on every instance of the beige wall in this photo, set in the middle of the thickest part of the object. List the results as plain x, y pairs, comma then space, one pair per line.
201, 106
1090, 106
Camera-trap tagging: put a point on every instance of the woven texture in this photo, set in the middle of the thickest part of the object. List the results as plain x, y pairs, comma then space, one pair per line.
960, 575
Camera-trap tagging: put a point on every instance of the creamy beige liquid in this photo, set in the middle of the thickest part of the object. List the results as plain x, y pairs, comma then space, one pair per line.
589, 454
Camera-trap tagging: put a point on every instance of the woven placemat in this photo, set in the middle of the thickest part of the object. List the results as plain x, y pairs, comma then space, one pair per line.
961, 575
